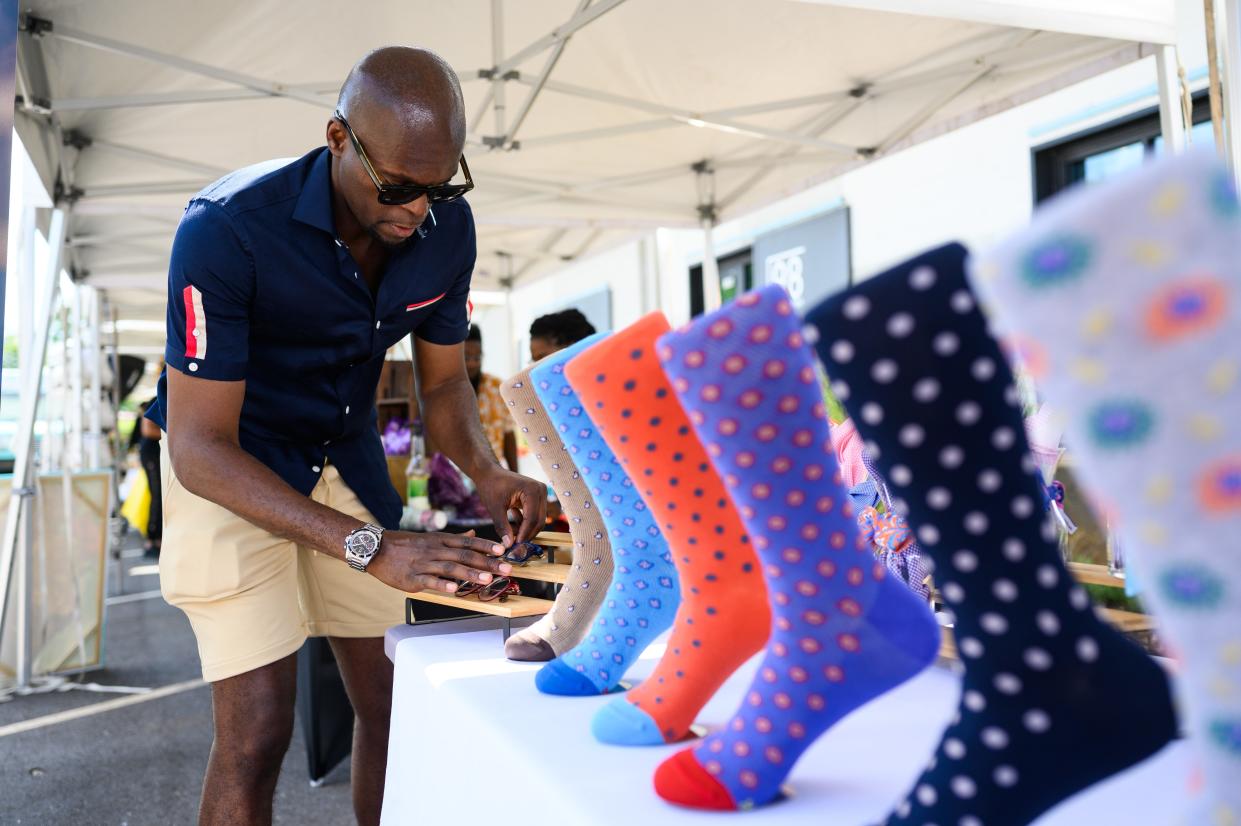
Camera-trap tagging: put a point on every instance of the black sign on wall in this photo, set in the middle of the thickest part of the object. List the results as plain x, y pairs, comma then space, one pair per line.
811, 259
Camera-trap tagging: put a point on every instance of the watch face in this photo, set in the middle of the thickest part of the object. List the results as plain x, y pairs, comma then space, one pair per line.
364, 542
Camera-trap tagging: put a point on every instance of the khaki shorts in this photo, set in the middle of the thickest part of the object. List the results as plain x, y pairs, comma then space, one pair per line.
253, 598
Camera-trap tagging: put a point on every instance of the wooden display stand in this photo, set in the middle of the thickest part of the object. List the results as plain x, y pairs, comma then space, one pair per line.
1090, 574
1127, 622
947, 645
553, 569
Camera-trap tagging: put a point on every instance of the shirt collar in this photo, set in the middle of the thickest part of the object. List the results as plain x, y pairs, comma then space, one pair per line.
314, 205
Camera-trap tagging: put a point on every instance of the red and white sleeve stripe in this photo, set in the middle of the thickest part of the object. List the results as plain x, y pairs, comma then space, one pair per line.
195, 324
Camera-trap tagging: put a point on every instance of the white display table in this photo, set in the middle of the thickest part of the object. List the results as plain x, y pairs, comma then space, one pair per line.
473, 742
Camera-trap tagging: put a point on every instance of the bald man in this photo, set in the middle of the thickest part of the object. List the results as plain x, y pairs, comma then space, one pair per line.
287, 285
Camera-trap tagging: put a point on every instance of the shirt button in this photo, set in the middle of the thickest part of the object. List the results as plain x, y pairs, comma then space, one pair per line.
197, 333
316, 469
193, 367
346, 410
339, 243
377, 323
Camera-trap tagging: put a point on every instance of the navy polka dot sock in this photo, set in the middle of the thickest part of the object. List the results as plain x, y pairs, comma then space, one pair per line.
1054, 700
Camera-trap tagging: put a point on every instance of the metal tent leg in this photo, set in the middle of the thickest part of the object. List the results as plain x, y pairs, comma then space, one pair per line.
17, 547
1171, 120
1230, 46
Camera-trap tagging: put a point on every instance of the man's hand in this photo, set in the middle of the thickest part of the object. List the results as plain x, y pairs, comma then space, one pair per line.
501, 490
436, 561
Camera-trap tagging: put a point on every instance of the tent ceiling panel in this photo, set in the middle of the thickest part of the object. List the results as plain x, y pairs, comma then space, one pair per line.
1152, 21
772, 94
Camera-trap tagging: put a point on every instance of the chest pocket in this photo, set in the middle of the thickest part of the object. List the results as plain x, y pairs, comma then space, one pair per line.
407, 318
418, 305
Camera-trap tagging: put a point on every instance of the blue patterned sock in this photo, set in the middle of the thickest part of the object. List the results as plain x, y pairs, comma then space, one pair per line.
843, 631
642, 600
1137, 337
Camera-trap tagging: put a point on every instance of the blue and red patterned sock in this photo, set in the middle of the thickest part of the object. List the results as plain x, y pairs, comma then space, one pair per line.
843, 631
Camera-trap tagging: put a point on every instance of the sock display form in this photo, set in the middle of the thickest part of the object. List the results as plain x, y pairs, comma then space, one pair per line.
591, 571
1053, 699
643, 595
1128, 298
723, 619
844, 632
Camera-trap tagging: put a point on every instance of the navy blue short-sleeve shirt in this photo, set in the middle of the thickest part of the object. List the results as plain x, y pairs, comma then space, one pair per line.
261, 288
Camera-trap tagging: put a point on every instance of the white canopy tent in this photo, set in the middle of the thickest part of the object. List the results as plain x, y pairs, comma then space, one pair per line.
590, 120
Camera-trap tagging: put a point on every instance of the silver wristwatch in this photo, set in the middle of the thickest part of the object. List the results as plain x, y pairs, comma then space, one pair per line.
362, 545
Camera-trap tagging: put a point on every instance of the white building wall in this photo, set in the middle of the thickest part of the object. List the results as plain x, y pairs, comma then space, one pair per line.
620, 270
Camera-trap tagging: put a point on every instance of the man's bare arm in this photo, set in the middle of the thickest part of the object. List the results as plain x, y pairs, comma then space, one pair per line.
450, 408
510, 449
209, 462
450, 412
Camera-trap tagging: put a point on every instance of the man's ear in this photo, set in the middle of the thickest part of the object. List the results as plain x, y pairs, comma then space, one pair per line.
336, 138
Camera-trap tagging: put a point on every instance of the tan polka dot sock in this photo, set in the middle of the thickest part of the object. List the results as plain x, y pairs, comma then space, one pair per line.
591, 571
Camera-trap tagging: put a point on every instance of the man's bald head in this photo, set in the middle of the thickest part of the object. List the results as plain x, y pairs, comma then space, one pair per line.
413, 90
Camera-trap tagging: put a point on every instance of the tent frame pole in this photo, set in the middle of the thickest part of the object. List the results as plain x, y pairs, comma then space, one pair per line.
118, 452
510, 139
1171, 117
17, 549
497, 55
263, 87
582, 18
707, 217
77, 453
94, 453
1231, 49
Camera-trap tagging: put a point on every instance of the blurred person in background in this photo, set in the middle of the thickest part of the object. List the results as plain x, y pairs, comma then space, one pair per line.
145, 438
497, 424
549, 334
555, 331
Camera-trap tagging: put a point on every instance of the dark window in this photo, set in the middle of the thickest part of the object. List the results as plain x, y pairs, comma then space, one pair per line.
736, 277
1109, 150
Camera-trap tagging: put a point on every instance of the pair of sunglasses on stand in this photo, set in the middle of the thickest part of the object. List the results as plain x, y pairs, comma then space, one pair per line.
523, 553
498, 590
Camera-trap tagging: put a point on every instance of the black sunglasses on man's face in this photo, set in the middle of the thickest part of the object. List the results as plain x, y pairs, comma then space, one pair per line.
396, 194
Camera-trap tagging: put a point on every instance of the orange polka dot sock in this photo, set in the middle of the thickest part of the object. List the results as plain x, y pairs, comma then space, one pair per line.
724, 618
845, 633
